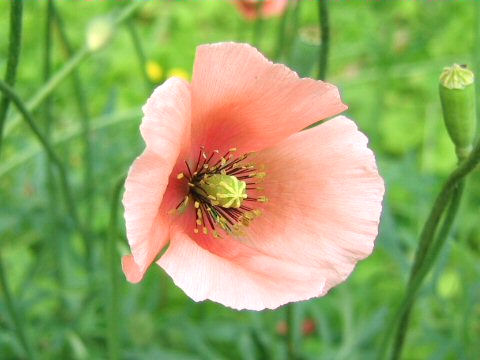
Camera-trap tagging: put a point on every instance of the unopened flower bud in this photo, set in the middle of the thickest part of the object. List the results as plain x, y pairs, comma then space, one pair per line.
457, 95
99, 33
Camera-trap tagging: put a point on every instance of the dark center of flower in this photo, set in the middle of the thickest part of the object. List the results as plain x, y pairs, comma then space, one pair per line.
219, 187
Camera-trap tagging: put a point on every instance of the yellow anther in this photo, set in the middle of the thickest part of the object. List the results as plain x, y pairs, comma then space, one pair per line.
205, 230
262, 199
212, 197
250, 215
199, 222
232, 149
260, 175
191, 185
195, 231
223, 161
223, 172
197, 204
180, 176
205, 166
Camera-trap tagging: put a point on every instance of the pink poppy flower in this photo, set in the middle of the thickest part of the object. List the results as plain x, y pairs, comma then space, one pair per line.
252, 9
253, 212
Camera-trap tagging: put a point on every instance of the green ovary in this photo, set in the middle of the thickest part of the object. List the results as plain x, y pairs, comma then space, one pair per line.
224, 190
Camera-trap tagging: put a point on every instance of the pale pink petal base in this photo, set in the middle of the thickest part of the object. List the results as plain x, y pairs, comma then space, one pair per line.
323, 215
236, 275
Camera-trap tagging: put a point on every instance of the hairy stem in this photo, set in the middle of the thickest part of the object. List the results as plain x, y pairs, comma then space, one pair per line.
65, 186
71, 65
112, 261
291, 348
137, 44
14, 46
324, 24
416, 280
428, 247
12, 311
82, 105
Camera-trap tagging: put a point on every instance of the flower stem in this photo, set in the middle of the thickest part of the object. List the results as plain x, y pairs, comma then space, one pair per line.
112, 261
258, 25
429, 246
80, 97
71, 65
137, 44
293, 30
324, 23
17, 321
282, 26
67, 192
291, 348
14, 46
416, 280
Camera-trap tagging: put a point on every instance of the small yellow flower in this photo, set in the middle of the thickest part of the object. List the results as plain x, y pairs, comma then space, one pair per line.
178, 72
154, 71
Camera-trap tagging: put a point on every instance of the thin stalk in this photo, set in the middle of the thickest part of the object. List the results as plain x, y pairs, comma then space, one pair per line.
14, 46
291, 348
282, 27
80, 98
417, 279
293, 30
258, 25
137, 44
425, 256
65, 186
15, 39
50, 181
112, 298
71, 65
324, 23
476, 52
17, 320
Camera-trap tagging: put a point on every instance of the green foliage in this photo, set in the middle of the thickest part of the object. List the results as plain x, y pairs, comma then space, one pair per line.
385, 57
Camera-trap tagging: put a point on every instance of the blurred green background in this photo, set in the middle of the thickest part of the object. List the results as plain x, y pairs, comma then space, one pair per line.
385, 57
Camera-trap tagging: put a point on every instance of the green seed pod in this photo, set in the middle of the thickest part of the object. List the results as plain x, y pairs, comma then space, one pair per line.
224, 190
457, 95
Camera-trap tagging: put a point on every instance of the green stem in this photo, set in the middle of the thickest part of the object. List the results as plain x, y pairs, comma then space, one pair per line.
112, 298
80, 98
293, 30
71, 65
291, 348
282, 27
324, 23
258, 25
417, 279
14, 46
137, 44
50, 182
476, 52
425, 256
17, 321
68, 196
